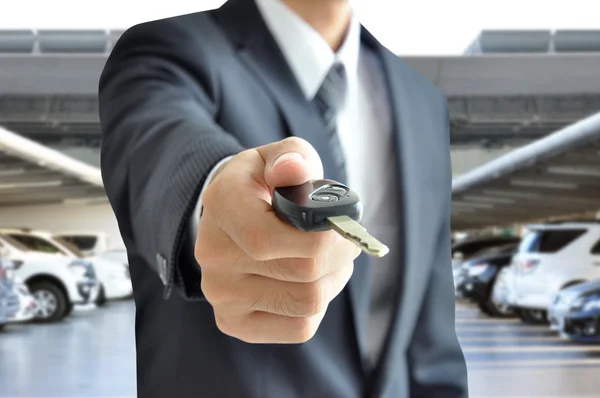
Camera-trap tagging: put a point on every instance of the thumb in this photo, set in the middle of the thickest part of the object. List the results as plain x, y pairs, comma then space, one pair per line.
291, 161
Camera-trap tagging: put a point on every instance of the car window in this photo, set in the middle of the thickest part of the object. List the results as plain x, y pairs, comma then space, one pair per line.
37, 244
596, 248
72, 248
81, 241
14, 243
549, 240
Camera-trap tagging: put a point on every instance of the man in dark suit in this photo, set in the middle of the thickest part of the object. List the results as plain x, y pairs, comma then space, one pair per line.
202, 116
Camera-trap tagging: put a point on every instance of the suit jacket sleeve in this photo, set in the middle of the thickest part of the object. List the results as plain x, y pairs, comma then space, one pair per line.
436, 360
159, 142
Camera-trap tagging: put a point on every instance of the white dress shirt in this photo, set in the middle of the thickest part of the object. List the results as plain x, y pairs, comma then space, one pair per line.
365, 130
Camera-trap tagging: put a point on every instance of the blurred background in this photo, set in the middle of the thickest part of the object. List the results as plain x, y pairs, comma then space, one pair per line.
523, 85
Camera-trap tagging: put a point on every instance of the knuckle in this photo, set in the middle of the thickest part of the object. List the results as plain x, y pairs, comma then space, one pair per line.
308, 301
309, 270
276, 269
224, 326
203, 253
256, 243
213, 293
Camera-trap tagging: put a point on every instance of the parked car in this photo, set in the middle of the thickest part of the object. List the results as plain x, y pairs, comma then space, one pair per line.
464, 249
3, 319
28, 306
502, 290
118, 255
552, 257
575, 312
9, 297
89, 243
480, 274
56, 282
3, 298
469, 246
115, 281
25, 303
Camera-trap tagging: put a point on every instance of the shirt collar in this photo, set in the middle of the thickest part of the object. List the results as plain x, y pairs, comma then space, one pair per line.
307, 53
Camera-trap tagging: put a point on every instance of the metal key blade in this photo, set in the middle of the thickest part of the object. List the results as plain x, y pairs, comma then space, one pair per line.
356, 233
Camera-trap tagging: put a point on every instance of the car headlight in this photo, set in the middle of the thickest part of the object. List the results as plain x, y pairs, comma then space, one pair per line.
78, 268
586, 303
592, 305
477, 269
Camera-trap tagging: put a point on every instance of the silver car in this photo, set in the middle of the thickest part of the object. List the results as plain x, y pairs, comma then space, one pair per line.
9, 299
568, 311
2, 307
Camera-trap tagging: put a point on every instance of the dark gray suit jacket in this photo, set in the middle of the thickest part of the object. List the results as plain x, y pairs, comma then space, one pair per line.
178, 95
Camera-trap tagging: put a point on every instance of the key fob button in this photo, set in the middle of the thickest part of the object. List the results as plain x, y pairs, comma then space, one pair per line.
337, 189
324, 197
334, 190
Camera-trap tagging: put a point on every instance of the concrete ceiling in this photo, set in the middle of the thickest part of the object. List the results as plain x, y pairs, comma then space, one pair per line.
505, 98
33, 174
553, 177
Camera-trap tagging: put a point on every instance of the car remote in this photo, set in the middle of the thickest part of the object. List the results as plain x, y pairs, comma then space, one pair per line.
320, 205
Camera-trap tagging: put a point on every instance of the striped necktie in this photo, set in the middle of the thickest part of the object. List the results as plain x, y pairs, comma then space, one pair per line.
328, 100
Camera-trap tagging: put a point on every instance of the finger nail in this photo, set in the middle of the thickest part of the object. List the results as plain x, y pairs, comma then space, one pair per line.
287, 157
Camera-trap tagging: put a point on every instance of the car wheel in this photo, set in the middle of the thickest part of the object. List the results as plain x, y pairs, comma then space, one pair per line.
51, 302
484, 308
101, 299
534, 317
498, 310
69, 309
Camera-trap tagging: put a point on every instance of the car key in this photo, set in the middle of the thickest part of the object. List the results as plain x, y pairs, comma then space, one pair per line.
320, 205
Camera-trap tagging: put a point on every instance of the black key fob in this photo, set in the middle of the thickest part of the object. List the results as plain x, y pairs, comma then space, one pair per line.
308, 206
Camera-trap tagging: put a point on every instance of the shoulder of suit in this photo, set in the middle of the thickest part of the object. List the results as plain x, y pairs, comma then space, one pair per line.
177, 30
425, 85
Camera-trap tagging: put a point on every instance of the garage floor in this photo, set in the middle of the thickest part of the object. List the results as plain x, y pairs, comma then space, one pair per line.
92, 355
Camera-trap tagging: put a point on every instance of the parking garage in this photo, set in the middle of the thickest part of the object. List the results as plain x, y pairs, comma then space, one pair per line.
525, 146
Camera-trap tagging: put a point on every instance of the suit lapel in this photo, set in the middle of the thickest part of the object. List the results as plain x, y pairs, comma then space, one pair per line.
259, 51
403, 97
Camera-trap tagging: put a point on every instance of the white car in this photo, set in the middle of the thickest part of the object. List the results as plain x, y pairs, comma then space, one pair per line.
56, 282
28, 307
115, 281
552, 257
502, 291
118, 255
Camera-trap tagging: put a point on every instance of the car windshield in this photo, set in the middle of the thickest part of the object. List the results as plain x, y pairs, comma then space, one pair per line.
38, 244
15, 243
71, 247
82, 242
549, 240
